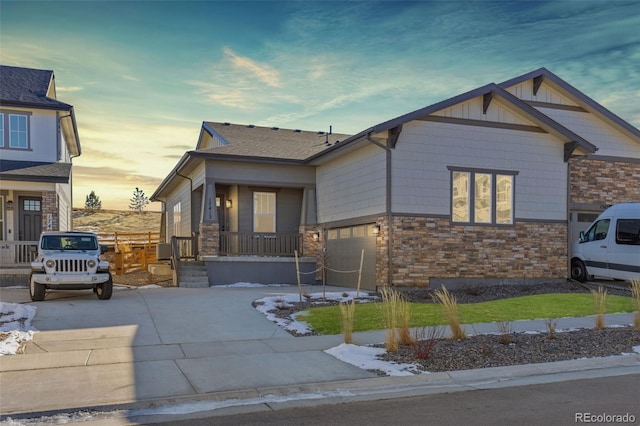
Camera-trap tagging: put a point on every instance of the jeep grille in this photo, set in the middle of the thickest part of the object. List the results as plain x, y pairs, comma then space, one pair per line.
71, 265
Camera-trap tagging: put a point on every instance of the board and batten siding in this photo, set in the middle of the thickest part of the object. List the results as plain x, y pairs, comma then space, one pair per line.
422, 182
610, 141
353, 185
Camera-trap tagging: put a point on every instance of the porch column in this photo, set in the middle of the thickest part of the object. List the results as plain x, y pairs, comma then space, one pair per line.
209, 229
50, 218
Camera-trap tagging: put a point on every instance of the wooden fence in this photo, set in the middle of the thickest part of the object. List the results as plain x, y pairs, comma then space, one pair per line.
129, 250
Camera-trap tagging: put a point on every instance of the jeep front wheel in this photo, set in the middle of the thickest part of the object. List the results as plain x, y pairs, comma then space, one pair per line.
36, 291
104, 290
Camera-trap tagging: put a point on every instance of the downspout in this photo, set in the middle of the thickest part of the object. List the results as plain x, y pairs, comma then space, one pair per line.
387, 206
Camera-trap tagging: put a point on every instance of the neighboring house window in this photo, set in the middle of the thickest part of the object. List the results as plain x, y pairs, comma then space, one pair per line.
177, 218
18, 131
264, 212
482, 196
1, 130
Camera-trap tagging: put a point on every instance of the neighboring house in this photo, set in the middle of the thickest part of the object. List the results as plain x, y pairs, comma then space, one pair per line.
38, 139
488, 186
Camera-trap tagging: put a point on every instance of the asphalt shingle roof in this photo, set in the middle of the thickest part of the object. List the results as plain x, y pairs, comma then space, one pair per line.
28, 87
270, 142
35, 171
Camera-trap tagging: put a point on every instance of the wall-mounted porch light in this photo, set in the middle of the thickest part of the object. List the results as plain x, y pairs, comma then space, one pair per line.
228, 203
376, 229
9, 204
316, 236
217, 201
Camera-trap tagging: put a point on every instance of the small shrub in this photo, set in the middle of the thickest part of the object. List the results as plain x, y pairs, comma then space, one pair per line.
347, 311
505, 328
635, 292
600, 302
471, 290
425, 340
345, 294
307, 296
450, 309
551, 328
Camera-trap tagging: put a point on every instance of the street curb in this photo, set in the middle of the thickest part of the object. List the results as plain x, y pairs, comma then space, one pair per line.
330, 393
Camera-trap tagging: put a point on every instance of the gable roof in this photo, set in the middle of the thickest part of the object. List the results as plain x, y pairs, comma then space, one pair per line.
489, 92
266, 142
542, 74
27, 87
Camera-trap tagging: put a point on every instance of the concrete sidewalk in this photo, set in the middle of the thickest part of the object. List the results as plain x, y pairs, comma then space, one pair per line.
150, 346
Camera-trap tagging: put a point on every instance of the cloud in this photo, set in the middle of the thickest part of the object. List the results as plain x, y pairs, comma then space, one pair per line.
130, 78
264, 73
64, 89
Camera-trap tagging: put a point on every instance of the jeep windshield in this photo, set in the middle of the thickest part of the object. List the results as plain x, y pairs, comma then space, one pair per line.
69, 242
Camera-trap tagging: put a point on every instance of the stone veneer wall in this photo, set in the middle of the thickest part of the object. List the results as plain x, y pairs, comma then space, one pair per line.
209, 239
50, 207
313, 248
604, 182
425, 248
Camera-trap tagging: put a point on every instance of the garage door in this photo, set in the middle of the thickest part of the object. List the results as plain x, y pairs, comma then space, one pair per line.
344, 250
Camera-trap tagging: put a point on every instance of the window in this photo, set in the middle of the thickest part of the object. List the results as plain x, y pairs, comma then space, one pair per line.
18, 134
598, 231
177, 218
1, 130
482, 196
264, 212
31, 205
628, 232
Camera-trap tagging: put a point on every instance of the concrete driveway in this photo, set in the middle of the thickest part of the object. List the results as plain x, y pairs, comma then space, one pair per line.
153, 343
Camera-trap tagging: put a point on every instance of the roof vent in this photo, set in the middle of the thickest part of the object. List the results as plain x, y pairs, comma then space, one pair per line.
297, 131
226, 123
251, 126
320, 132
275, 128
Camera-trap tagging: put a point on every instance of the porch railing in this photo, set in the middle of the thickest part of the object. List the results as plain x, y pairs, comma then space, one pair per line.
17, 254
260, 243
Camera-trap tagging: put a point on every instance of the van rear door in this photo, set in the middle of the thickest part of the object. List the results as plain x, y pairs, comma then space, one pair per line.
623, 258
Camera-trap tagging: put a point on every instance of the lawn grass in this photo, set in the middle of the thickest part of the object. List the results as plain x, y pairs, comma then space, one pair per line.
326, 320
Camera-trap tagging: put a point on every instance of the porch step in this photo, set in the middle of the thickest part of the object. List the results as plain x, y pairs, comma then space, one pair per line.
193, 275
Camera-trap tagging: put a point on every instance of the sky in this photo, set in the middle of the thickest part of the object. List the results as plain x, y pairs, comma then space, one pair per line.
143, 75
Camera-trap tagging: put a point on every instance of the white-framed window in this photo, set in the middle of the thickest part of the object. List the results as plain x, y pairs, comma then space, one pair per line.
1, 130
177, 218
264, 212
482, 196
18, 131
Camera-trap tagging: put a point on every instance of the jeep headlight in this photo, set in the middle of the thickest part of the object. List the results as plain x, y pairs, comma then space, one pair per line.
50, 263
91, 263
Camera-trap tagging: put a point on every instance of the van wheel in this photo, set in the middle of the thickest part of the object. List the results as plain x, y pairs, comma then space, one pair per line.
578, 270
104, 290
36, 291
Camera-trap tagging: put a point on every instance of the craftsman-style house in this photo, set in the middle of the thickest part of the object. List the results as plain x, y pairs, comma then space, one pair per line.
488, 186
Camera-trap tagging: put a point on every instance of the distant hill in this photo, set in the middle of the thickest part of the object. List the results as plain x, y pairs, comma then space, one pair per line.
115, 221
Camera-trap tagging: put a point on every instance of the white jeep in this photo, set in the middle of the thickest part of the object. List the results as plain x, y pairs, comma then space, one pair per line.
69, 261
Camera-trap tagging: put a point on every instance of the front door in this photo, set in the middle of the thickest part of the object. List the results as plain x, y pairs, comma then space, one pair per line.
30, 218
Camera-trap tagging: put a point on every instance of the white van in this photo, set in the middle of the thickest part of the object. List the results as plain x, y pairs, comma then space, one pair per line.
610, 248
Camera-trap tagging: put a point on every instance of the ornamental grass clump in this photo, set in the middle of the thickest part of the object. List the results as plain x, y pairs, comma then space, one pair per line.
450, 310
600, 303
347, 311
635, 292
389, 309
